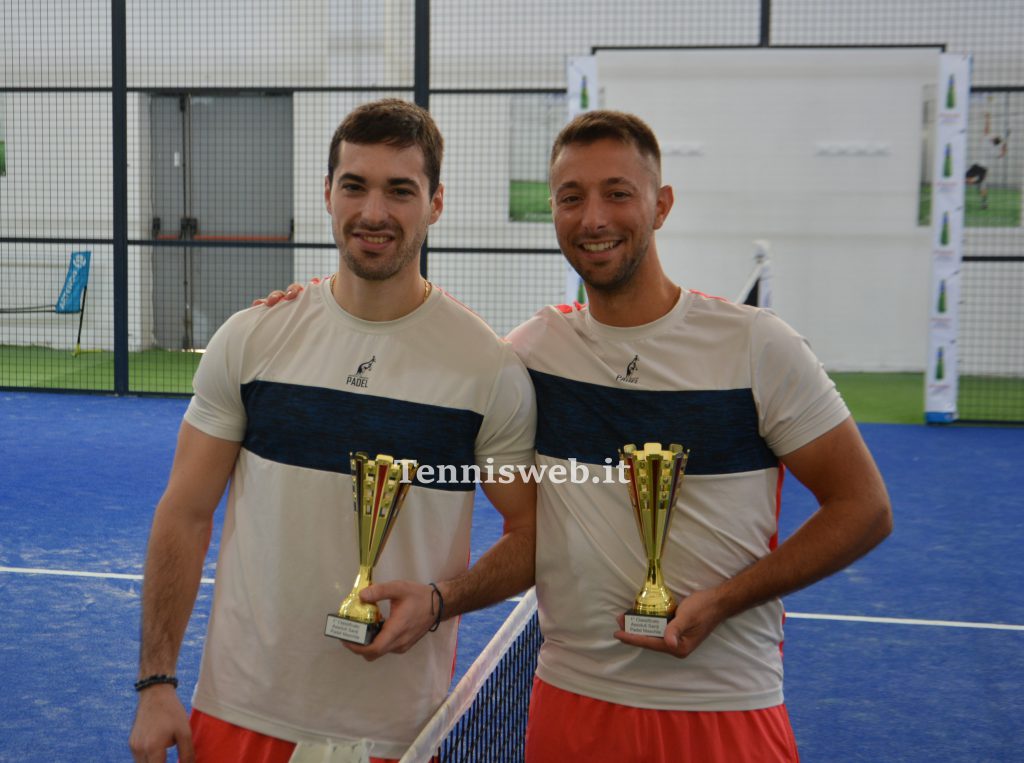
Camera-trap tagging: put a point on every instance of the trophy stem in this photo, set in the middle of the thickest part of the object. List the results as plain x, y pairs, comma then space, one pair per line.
354, 608
655, 598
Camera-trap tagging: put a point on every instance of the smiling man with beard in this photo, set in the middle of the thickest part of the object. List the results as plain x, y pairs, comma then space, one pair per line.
373, 359
743, 392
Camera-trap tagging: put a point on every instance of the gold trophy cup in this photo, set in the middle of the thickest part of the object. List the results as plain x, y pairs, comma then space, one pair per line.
654, 478
379, 487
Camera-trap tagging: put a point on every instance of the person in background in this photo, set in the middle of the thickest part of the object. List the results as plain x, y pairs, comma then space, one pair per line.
993, 150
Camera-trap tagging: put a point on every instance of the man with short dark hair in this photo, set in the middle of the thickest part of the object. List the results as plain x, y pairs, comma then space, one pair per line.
372, 359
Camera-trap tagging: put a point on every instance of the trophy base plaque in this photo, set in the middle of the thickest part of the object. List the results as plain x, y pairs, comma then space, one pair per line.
646, 625
354, 632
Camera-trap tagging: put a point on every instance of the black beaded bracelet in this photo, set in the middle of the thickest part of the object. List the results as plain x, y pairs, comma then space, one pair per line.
153, 680
440, 607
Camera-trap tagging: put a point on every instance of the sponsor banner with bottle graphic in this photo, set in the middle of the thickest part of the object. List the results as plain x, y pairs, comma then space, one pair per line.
581, 79
582, 93
947, 235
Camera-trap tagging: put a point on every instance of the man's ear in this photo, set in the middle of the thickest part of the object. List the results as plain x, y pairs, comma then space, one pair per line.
663, 205
437, 204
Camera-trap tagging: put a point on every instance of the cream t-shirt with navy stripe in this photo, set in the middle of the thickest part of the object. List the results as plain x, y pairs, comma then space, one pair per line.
301, 386
736, 386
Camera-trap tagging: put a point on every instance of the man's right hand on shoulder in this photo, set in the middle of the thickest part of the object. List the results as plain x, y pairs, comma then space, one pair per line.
160, 722
287, 295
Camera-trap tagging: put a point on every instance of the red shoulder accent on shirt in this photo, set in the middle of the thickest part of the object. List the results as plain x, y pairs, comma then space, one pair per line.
709, 296
569, 308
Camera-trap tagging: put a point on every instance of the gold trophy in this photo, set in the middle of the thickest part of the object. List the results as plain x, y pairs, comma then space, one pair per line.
379, 488
654, 478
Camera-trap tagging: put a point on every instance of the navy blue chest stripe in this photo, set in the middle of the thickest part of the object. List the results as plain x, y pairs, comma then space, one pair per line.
317, 428
590, 422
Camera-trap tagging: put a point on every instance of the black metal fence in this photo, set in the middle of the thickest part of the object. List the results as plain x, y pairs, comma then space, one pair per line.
184, 145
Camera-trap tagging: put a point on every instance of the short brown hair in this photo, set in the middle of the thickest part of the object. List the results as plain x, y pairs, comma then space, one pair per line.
592, 126
397, 123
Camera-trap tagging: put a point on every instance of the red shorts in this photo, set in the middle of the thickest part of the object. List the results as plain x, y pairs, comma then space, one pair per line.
218, 741
567, 727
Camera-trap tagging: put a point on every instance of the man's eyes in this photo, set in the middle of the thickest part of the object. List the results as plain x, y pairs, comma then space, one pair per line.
575, 198
397, 191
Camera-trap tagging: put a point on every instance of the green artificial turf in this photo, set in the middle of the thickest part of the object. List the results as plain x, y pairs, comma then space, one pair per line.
528, 201
894, 398
158, 371
1003, 208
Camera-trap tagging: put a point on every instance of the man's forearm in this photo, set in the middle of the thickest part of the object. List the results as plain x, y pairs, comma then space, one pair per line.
507, 568
174, 565
832, 539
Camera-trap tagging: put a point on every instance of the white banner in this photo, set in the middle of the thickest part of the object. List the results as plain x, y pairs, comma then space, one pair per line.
582, 93
947, 235
581, 78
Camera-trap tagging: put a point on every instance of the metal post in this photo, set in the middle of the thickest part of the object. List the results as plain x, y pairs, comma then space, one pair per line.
119, 130
421, 81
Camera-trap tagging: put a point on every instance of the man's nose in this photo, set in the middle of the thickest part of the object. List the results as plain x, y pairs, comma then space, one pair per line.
593, 215
375, 208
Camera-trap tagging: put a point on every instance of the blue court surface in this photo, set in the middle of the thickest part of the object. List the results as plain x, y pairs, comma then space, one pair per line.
915, 653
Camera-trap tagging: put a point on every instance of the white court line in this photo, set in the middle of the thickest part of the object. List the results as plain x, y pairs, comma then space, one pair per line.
904, 621
795, 615
80, 574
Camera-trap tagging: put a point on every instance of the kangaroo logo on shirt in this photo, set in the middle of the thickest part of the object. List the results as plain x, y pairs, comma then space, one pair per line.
631, 376
359, 378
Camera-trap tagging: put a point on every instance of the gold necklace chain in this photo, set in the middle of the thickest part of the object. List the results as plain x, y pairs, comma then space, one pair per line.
427, 287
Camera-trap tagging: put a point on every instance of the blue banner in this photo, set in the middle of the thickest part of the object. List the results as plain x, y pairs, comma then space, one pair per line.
71, 296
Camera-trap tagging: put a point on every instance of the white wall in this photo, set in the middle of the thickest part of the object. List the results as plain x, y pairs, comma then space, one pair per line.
817, 151
59, 184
